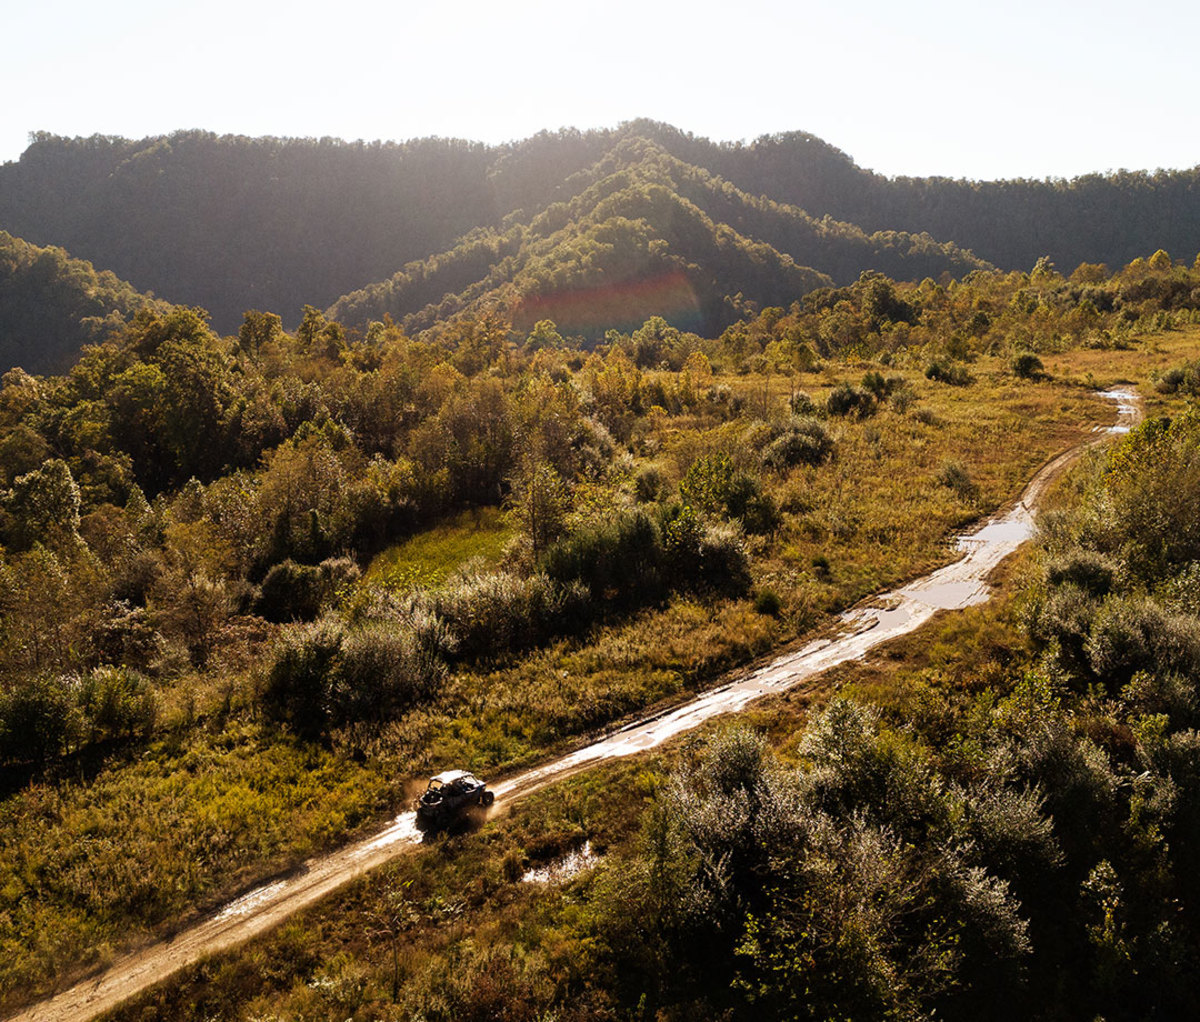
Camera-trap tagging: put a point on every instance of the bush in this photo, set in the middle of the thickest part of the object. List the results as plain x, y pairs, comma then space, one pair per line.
702, 557
491, 613
713, 486
954, 476
1092, 572
947, 372
648, 484
1062, 625
722, 564
1132, 634
1179, 379
39, 719
801, 403
323, 676
847, 400
117, 703
903, 399
291, 592
297, 687
767, 603
1027, 366
804, 441
882, 387
619, 562
383, 670
299, 592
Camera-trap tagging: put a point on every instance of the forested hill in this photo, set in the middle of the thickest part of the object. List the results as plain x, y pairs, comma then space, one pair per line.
1107, 218
644, 234
52, 305
233, 223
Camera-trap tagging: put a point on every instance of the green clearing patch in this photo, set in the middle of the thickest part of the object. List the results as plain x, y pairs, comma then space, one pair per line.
429, 558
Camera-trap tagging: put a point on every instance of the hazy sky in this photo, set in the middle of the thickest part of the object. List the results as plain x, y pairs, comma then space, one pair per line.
960, 89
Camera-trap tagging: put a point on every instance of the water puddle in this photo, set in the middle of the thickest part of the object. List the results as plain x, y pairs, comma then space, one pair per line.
563, 869
1128, 411
247, 903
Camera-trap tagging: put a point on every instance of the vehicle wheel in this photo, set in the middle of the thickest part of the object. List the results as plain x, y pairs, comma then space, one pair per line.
488, 798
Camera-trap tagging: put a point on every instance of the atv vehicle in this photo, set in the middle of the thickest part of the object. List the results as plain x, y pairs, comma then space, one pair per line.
449, 794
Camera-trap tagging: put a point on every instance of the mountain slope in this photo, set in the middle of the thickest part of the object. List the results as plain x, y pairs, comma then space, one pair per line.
641, 234
51, 305
232, 223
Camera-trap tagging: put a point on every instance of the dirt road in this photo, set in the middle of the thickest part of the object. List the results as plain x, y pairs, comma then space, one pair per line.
891, 614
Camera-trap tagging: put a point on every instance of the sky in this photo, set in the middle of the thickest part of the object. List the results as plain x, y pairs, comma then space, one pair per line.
908, 87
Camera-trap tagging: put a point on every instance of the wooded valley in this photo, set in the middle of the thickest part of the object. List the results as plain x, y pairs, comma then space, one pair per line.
574, 430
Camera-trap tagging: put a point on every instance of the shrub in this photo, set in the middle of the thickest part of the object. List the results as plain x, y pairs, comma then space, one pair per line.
902, 399
847, 400
767, 603
801, 403
491, 612
296, 690
1134, 633
712, 485
1027, 366
954, 476
291, 592
39, 719
722, 564
126, 635
383, 670
648, 484
1183, 379
882, 387
1062, 624
117, 703
804, 441
947, 372
323, 676
299, 592
702, 557
619, 562
1092, 572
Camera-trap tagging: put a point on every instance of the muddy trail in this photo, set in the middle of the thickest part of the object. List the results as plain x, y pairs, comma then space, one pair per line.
883, 617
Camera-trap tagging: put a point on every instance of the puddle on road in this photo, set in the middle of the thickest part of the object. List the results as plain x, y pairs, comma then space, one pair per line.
247, 903
1128, 411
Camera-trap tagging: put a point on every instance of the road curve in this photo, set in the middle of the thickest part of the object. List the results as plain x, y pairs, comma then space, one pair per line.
879, 619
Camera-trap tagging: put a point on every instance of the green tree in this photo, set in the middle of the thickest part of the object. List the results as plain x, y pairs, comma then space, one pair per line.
538, 504
43, 506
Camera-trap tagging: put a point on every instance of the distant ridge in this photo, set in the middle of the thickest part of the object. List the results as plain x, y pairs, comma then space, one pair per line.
231, 223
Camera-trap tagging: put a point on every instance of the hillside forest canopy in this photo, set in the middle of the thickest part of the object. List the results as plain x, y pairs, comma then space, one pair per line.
595, 230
